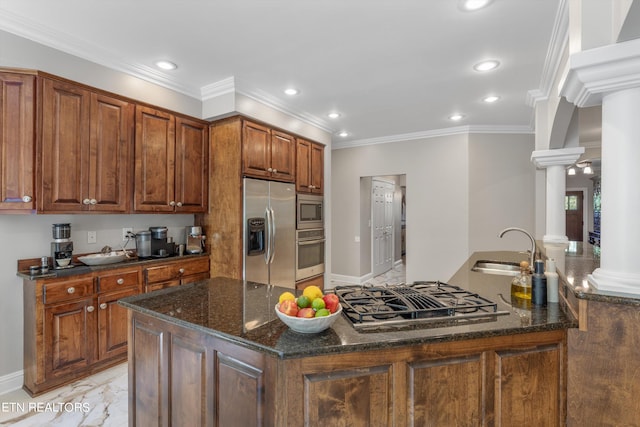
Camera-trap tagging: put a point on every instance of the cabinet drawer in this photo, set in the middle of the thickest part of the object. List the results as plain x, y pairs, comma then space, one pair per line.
176, 270
68, 290
118, 280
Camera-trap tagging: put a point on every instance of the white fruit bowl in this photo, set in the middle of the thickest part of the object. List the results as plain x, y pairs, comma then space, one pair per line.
309, 325
103, 259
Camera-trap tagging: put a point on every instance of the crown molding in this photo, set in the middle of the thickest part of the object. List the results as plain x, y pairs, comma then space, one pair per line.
596, 72
218, 88
558, 157
459, 130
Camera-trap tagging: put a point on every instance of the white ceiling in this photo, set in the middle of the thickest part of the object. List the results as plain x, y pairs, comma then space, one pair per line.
390, 67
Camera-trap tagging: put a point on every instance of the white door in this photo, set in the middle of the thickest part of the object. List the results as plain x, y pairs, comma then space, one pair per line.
382, 226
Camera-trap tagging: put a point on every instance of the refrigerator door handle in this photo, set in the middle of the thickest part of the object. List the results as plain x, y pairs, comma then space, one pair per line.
273, 236
267, 253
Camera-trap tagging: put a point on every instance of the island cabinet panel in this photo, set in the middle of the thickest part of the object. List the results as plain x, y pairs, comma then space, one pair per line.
17, 141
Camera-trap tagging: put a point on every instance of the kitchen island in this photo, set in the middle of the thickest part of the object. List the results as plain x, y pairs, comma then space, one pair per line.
214, 353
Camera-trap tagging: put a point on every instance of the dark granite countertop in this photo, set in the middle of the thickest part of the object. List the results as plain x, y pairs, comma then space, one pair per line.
80, 268
243, 313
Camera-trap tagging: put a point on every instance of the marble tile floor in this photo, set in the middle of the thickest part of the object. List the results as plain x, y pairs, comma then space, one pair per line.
96, 401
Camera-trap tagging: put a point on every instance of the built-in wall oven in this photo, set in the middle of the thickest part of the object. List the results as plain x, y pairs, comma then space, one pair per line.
310, 212
309, 253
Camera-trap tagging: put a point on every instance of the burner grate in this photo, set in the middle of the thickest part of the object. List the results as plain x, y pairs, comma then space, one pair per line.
406, 304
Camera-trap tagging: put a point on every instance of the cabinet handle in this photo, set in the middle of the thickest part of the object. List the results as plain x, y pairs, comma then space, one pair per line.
181, 271
269, 170
90, 308
103, 306
312, 187
86, 201
71, 290
120, 281
172, 203
26, 199
94, 202
179, 204
275, 171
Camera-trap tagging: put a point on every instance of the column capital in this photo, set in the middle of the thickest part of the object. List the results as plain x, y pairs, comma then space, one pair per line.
560, 157
596, 72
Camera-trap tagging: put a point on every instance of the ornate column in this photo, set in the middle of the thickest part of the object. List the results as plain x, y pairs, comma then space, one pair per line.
611, 75
555, 162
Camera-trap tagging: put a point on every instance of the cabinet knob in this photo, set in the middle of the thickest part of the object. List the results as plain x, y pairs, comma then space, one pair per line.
26, 199
94, 202
275, 171
120, 281
172, 203
71, 290
269, 170
179, 204
103, 306
181, 271
90, 308
312, 187
86, 201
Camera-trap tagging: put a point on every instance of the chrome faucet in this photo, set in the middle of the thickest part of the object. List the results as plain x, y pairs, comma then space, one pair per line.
533, 242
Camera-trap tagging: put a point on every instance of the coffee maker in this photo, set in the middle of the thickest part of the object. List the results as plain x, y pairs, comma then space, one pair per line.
161, 246
195, 240
62, 246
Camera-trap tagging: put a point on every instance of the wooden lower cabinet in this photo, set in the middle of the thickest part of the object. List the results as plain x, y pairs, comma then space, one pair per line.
175, 273
315, 281
181, 376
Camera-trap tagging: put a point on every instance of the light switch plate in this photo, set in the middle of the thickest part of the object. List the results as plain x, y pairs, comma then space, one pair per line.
92, 237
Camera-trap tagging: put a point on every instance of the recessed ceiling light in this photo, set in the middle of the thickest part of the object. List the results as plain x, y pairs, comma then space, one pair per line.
456, 117
333, 115
166, 65
488, 65
490, 99
343, 134
473, 4
291, 91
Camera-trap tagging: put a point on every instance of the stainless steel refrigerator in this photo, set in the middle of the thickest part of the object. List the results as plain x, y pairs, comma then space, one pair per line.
269, 232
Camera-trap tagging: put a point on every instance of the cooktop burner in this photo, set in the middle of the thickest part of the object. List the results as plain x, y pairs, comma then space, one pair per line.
403, 304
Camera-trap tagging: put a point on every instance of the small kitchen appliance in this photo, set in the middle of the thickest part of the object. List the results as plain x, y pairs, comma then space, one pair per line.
62, 246
195, 240
143, 244
160, 245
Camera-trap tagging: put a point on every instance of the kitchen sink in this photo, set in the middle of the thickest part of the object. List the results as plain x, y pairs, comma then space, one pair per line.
504, 268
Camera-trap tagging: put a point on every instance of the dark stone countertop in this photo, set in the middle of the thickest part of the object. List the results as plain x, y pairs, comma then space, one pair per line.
244, 313
80, 268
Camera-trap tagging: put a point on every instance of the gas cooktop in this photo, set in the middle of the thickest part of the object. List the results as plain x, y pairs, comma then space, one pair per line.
404, 305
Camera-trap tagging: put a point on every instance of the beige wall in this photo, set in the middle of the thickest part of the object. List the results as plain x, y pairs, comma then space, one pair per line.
461, 191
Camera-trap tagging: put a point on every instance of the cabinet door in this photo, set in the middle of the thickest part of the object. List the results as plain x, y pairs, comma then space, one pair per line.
111, 148
317, 168
192, 166
69, 334
154, 161
65, 151
112, 324
283, 156
303, 165
256, 153
17, 134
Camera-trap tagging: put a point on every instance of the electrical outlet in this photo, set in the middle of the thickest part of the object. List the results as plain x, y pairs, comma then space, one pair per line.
125, 231
92, 237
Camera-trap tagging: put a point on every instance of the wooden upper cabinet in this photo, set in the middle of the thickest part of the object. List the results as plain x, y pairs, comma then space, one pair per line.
267, 153
310, 167
192, 165
170, 168
86, 147
17, 136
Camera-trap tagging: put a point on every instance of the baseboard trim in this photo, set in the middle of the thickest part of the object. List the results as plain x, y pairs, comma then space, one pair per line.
354, 280
11, 382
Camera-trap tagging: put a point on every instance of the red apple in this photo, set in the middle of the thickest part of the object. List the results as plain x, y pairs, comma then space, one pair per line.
289, 307
306, 312
331, 302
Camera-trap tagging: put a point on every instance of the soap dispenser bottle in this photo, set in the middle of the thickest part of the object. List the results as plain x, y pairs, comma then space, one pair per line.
521, 287
539, 284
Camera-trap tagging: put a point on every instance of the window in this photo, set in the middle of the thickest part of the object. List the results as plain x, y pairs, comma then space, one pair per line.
570, 203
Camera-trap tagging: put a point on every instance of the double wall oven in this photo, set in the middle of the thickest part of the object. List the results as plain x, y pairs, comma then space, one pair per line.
310, 238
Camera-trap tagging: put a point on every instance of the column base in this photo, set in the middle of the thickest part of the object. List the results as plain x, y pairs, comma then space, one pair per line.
613, 281
555, 239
